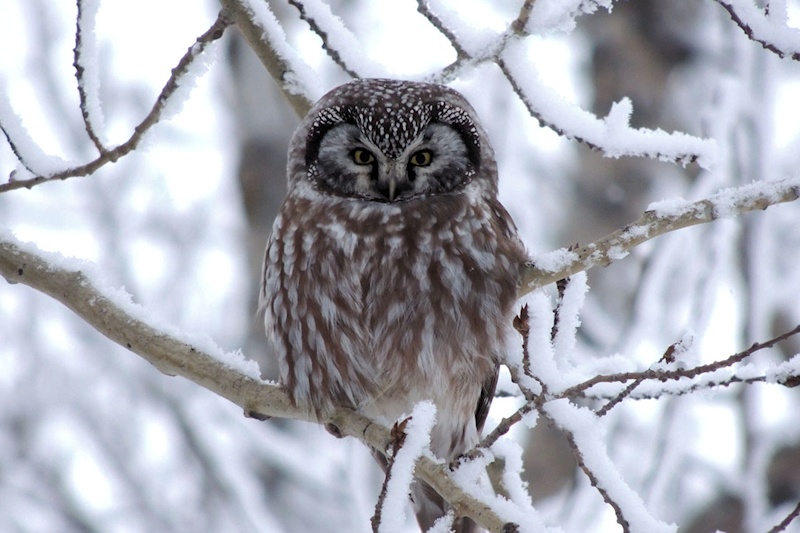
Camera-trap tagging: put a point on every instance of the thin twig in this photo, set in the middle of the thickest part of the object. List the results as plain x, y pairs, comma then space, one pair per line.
763, 40
593, 479
603, 411
507, 423
672, 375
425, 10
332, 52
786, 521
153, 117
80, 75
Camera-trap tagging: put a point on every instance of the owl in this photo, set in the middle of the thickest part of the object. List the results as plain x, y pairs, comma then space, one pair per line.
392, 269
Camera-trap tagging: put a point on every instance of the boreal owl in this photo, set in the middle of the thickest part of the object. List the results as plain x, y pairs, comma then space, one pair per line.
392, 269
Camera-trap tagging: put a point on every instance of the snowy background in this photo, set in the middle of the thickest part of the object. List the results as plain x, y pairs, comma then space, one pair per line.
92, 438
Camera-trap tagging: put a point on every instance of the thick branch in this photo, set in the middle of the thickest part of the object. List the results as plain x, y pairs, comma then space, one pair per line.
655, 222
126, 326
258, 37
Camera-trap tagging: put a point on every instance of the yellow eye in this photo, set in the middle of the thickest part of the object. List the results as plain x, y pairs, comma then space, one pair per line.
362, 157
422, 158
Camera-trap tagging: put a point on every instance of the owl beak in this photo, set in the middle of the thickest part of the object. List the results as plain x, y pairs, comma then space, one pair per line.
392, 180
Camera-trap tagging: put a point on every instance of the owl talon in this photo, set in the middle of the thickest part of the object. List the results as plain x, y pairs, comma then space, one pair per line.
397, 436
334, 430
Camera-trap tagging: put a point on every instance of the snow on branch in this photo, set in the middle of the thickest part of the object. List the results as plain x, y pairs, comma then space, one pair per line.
85, 64
660, 218
767, 27
43, 167
612, 135
581, 426
338, 42
264, 34
79, 286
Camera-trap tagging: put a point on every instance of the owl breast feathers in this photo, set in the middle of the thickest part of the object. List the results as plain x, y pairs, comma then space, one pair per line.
392, 269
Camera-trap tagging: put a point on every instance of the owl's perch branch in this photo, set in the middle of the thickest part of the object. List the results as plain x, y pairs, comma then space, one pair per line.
615, 246
76, 290
126, 327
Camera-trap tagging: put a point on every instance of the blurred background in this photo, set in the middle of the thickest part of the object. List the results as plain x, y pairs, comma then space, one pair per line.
93, 439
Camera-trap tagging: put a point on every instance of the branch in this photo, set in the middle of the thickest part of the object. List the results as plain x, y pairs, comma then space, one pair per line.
612, 135
332, 51
153, 117
685, 373
73, 284
767, 29
657, 220
786, 521
85, 45
265, 36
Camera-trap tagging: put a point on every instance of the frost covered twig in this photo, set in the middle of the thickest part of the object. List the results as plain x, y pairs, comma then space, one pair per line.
659, 219
87, 82
611, 135
153, 117
682, 373
766, 28
323, 33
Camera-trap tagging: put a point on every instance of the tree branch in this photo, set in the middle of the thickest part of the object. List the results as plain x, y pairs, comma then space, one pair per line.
124, 323
654, 222
759, 27
316, 27
85, 18
263, 34
153, 117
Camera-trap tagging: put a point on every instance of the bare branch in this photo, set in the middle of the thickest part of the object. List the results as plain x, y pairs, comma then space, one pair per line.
786, 521
655, 222
593, 479
759, 27
153, 117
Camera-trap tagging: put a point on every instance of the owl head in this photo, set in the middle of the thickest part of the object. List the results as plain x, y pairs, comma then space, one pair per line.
391, 141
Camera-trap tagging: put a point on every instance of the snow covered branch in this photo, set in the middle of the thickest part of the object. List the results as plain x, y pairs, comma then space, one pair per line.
41, 167
766, 27
78, 285
611, 135
660, 218
88, 84
266, 37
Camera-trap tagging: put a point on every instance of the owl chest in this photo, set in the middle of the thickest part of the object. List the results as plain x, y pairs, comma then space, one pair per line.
420, 299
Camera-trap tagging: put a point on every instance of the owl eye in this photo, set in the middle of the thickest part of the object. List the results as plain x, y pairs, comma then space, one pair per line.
362, 157
422, 158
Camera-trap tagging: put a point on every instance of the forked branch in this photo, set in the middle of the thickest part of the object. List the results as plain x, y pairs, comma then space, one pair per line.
153, 117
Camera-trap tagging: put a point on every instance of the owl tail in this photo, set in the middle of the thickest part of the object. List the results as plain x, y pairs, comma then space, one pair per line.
429, 507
